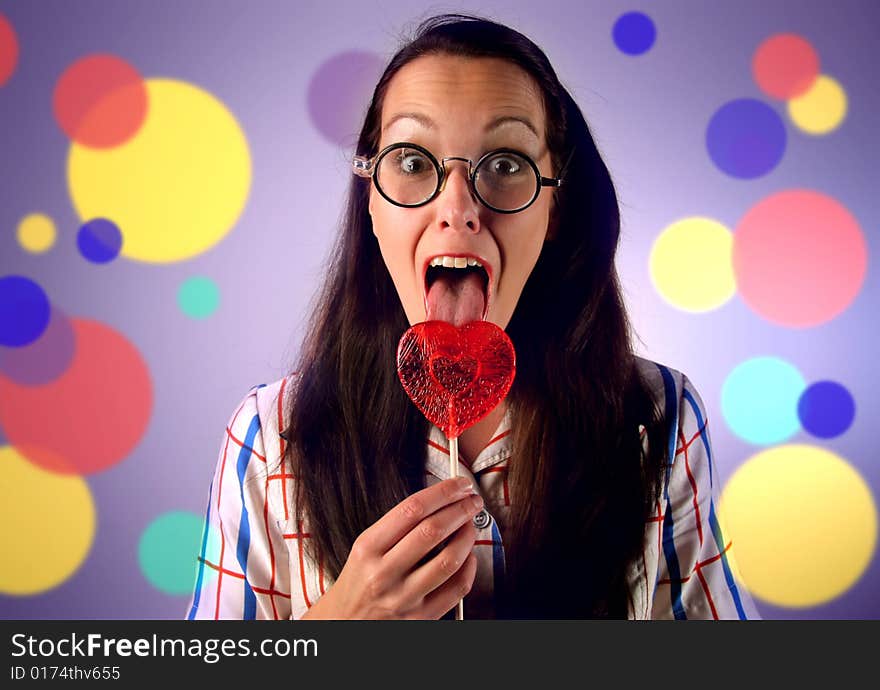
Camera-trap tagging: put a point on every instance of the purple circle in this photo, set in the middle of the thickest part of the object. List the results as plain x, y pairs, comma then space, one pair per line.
826, 409
99, 240
24, 311
46, 358
634, 33
746, 138
340, 92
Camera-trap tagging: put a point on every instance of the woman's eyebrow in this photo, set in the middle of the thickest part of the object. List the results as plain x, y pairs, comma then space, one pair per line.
505, 119
428, 123
423, 120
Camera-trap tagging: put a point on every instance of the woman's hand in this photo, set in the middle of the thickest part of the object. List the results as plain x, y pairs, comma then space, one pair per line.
385, 576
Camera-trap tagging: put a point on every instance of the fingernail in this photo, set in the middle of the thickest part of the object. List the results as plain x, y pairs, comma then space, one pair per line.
465, 485
477, 501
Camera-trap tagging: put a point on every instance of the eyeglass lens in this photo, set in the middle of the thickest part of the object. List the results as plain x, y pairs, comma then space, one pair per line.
505, 180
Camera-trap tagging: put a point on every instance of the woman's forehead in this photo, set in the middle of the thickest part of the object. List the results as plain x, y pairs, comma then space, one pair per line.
436, 89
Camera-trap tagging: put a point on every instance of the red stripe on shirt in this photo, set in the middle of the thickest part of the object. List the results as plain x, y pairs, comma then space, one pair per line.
225, 571
698, 566
497, 438
708, 594
693, 482
302, 568
241, 443
271, 549
283, 442
504, 483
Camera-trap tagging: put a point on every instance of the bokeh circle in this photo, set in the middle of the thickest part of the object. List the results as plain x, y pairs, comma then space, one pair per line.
804, 523
48, 525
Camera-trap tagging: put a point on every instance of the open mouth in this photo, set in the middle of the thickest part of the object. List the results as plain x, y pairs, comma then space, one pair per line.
457, 295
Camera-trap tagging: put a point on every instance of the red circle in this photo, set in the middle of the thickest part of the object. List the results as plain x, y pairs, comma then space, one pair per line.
8, 50
91, 416
799, 257
785, 66
100, 101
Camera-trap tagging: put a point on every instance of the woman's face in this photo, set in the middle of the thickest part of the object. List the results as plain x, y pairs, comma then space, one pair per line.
456, 106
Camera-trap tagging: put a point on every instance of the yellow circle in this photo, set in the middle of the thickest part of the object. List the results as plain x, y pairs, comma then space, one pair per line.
803, 524
36, 233
178, 186
821, 109
48, 525
691, 264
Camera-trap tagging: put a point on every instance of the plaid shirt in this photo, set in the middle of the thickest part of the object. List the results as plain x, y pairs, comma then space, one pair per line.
252, 563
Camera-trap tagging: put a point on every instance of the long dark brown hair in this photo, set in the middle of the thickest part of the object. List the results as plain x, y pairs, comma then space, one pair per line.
581, 488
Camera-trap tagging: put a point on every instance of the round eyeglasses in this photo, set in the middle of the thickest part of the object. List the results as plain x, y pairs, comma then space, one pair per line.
408, 175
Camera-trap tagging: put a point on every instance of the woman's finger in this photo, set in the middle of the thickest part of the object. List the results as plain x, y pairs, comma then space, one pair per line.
433, 574
452, 591
434, 529
383, 534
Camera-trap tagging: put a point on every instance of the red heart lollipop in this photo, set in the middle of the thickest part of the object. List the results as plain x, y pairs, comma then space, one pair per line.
456, 376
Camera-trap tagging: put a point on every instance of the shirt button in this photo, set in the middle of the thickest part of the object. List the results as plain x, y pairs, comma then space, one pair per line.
482, 519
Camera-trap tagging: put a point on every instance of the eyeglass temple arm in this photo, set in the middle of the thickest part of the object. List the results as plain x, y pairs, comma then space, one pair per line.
557, 181
551, 182
363, 166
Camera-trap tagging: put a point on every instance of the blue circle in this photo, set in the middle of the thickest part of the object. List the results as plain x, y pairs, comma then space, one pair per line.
759, 400
24, 311
99, 240
746, 138
826, 409
634, 33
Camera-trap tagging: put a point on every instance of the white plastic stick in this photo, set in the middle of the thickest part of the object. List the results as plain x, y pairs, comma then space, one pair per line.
453, 472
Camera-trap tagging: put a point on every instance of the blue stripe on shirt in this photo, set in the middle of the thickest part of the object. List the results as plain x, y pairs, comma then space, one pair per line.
728, 573
713, 519
671, 401
244, 529
202, 557
498, 564
704, 437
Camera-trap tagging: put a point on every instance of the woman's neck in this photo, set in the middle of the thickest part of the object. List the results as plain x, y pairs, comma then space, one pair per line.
475, 438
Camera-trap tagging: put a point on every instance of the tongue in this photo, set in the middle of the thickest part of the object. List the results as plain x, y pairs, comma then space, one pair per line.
456, 300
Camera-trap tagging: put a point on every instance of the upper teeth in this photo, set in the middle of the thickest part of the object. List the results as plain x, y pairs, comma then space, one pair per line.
454, 261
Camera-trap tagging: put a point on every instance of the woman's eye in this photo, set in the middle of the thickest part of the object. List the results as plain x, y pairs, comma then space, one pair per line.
412, 163
505, 166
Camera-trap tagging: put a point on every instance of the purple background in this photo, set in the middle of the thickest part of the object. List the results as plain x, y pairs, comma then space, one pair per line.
648, 114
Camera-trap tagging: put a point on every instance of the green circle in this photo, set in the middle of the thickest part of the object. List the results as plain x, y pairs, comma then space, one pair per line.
199, 297
168, 551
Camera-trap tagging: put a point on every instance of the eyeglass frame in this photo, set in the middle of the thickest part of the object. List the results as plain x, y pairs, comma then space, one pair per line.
363, 166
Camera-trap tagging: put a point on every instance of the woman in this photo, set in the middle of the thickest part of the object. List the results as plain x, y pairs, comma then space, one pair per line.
587, 492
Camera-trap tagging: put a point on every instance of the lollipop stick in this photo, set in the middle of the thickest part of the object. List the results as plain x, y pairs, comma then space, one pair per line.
453, 472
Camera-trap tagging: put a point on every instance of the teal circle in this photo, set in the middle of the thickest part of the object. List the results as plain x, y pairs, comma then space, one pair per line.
759, 400
168, 551
198, 297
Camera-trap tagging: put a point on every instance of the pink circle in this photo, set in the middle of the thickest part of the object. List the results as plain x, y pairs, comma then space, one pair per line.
91, 416
785, 66
100, 101
799, 257
8, 50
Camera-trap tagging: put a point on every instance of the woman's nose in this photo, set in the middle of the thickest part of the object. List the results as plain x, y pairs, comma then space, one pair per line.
458, 206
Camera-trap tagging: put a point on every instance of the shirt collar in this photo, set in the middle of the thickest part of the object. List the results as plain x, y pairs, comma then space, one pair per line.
496, 452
